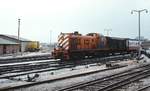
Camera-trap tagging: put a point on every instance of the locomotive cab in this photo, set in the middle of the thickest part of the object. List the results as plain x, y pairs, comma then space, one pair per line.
61, 49
59, 53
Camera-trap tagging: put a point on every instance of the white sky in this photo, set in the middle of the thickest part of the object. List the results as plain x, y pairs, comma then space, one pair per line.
39, 17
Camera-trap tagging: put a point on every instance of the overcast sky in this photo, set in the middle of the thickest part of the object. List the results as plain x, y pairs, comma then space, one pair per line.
39, 17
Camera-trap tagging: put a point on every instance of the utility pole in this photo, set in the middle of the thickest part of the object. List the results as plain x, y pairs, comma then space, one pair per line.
107, 30
19, 29
19, 35
139, 26
50, 37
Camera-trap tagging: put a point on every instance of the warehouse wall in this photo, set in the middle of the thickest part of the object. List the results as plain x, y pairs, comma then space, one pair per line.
1, 49
12, 49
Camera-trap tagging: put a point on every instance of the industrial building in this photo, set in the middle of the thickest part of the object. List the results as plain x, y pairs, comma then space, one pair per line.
8, 46
11, 44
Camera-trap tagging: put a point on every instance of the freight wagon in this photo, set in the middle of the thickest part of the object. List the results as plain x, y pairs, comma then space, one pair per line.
33, 46
75, 45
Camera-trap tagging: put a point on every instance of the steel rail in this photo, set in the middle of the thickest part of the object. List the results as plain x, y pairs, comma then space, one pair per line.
25, 59
143, 88
43, 65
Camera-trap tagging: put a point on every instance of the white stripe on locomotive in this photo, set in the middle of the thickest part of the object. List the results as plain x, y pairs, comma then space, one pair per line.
66, 44
67, 39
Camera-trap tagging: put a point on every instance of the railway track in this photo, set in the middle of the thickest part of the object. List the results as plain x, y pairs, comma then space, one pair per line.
24, 67
25, 59
54, 80
112, 82
143, 88
71, 88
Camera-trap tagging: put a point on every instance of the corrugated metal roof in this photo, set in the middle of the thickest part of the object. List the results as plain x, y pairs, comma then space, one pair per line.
14, 37
4, 41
